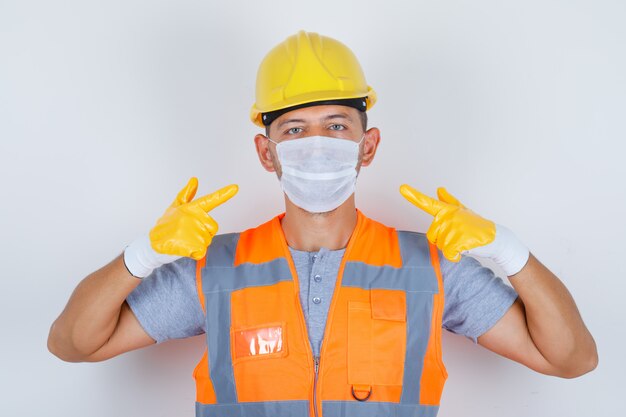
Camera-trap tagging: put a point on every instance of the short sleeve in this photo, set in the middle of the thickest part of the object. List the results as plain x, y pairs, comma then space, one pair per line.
166, 302
475, 298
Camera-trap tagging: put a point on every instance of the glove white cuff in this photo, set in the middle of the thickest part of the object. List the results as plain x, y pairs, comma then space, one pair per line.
507, 251
140, 259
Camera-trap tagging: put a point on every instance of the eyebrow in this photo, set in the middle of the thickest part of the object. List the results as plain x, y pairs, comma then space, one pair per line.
329, 117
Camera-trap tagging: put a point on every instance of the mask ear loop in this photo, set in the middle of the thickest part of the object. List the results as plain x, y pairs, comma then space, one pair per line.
359, 142
273, 141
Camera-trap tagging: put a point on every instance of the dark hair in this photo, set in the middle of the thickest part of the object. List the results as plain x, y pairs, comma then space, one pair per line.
362, 116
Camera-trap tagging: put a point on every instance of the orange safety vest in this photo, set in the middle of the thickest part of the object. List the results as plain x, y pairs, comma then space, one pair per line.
381, 351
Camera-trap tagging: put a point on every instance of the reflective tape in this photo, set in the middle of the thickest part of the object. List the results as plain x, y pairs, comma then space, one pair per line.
254, 409
376, 409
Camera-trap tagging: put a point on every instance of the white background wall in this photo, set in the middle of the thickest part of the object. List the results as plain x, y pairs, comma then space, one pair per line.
106, 108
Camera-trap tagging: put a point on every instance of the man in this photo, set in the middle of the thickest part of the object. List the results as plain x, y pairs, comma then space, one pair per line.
321, 310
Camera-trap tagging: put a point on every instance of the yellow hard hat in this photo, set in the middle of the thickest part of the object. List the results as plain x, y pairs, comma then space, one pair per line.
308, 69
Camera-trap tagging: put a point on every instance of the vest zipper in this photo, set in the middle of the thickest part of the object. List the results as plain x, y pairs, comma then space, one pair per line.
294, 274
331, 310
316, 359
316, 364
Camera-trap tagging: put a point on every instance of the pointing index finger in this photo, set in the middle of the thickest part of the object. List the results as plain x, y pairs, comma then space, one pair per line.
426, 203
210, 201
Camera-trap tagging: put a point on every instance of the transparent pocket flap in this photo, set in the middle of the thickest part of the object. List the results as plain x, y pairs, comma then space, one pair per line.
263, 341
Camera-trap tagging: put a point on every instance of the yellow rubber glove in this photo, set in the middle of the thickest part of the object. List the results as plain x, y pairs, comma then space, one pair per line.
186, 229
456, 231
455, 228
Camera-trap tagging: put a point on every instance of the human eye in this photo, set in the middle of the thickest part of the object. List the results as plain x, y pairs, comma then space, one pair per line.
337, 127
294, 130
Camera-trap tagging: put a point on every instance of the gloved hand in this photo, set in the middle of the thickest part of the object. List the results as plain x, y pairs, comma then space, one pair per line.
185, 229
456, 231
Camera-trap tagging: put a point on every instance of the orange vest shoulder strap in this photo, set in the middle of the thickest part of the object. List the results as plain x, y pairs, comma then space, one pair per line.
199, 265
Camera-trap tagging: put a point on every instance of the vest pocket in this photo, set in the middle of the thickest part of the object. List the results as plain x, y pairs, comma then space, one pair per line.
259, 342
377, 338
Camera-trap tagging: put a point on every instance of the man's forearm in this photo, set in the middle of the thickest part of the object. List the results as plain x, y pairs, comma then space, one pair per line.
92, 312
553, 320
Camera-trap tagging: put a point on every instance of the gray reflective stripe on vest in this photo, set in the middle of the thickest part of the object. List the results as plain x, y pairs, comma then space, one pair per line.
410, 279
228, 279
417, 277
376, 409
419, 315
256, 409
416, 274
219, 279
415, 251
218, 346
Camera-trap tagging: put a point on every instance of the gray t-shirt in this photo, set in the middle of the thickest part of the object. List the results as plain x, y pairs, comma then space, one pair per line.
167, 306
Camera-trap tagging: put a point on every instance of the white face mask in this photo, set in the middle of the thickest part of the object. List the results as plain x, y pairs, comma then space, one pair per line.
318, 172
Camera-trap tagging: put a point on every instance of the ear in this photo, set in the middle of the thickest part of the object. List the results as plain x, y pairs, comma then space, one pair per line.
263, 151
370, 144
